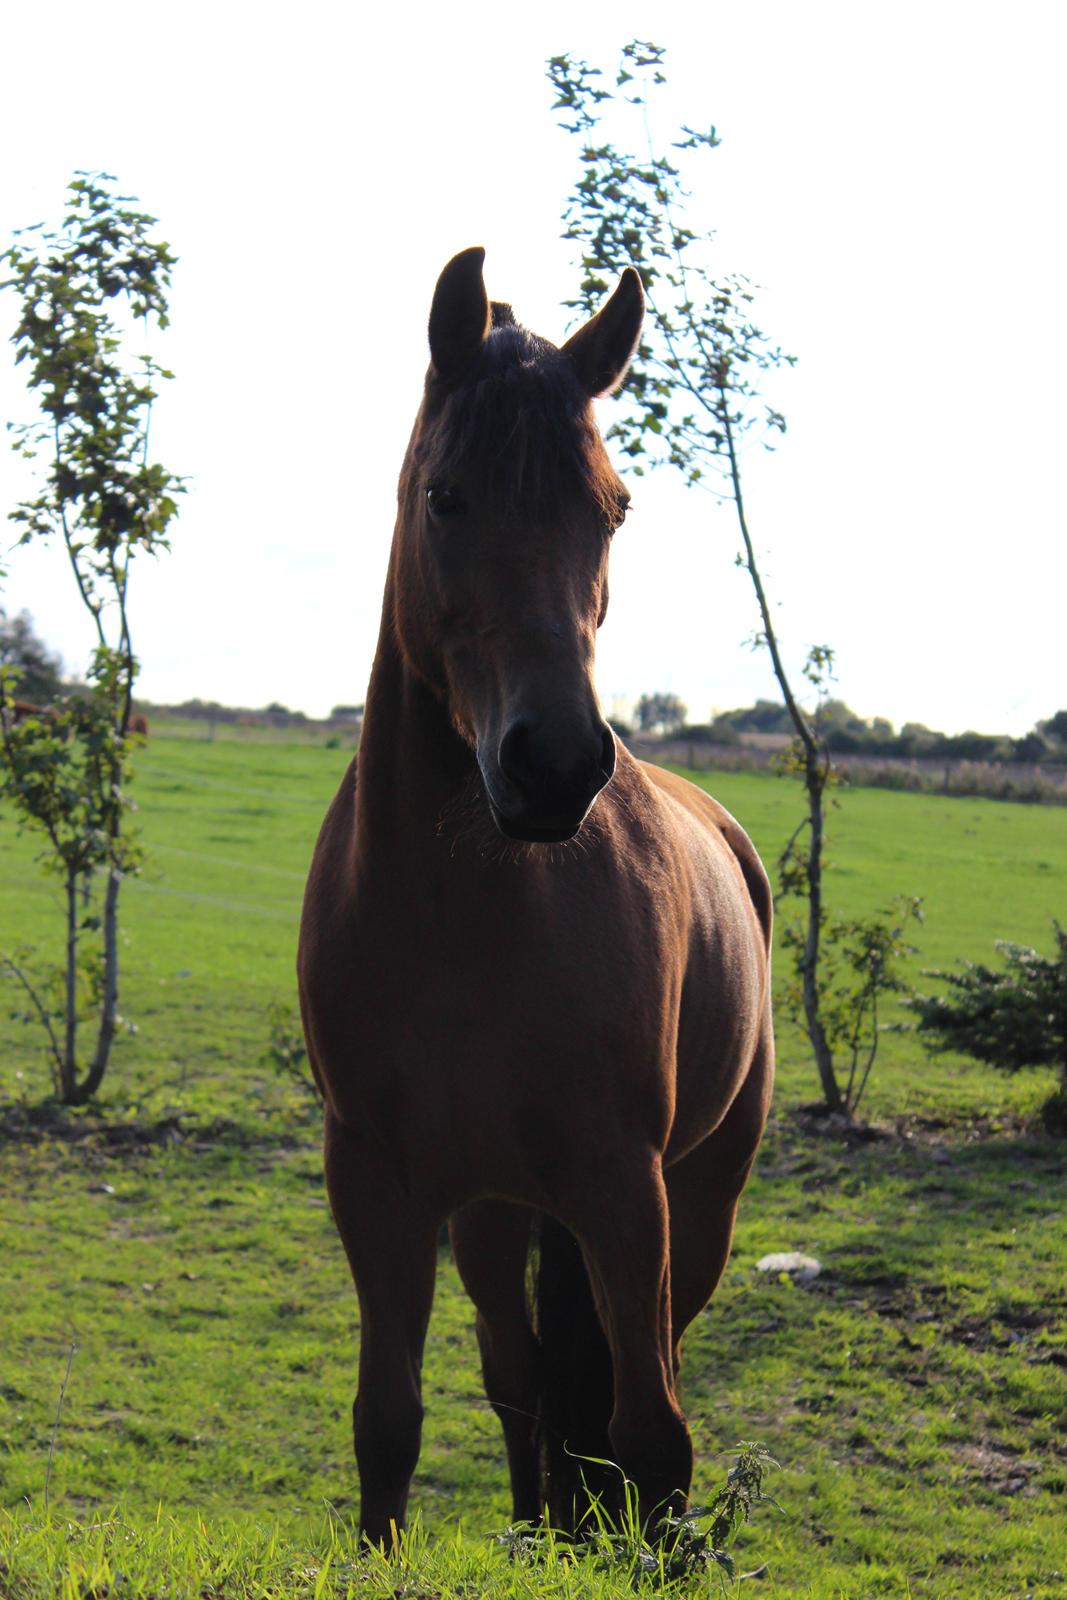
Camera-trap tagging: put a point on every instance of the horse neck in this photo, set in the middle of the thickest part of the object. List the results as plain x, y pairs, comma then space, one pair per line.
412, 764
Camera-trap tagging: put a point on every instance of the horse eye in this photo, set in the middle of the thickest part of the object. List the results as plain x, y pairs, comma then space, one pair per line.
443, 501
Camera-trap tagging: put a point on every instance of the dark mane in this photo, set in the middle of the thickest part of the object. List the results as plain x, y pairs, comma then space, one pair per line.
522, 423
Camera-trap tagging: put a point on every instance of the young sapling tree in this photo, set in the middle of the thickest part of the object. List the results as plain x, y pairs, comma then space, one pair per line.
83, 289
692, 398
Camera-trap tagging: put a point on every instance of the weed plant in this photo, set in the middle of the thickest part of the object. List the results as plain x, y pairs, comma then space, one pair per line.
675, 1552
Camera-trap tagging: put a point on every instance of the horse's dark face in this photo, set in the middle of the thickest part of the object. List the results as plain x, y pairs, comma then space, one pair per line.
508, 505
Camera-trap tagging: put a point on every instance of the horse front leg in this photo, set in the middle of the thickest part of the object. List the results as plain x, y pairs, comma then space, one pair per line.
392, 1250
625, 1242
490, 1242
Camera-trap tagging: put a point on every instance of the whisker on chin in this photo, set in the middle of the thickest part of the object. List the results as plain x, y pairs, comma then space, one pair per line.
467, 822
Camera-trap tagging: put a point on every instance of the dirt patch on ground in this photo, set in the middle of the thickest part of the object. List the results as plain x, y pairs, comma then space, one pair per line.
100, 1138
24, 1125
909, 1131
998, 1467
940, 1131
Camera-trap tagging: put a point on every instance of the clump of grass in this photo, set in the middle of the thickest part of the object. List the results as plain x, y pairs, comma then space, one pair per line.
672, 1552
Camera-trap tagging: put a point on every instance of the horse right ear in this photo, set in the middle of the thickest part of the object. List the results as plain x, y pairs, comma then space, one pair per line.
603, 348
459, 316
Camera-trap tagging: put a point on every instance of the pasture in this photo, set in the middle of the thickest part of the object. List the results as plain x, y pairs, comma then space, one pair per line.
915, 1394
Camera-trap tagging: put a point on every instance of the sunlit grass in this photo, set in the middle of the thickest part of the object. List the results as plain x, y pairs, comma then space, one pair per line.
915, 1393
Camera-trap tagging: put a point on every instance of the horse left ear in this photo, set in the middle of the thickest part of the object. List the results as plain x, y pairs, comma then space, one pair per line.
603, 348
459, 316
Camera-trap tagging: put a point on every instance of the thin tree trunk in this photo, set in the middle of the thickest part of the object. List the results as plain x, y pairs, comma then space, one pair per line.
824, 1060
110, 1002
82, 1092
68, 1067
814, 782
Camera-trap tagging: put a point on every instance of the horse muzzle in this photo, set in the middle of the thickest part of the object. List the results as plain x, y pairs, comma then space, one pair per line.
545, 778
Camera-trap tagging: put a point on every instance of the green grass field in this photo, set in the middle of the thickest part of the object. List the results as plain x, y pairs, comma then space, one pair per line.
915, 1394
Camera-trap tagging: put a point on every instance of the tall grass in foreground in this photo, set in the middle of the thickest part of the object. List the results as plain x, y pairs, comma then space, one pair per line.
120, 1557
185, 1558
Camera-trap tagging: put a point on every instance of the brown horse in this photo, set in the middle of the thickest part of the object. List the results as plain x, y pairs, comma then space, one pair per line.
534, 972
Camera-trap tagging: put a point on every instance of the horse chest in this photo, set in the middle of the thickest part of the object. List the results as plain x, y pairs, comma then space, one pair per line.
470, 1015
477, 976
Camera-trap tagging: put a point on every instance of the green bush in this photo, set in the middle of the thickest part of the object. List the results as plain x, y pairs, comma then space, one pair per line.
1012, 1018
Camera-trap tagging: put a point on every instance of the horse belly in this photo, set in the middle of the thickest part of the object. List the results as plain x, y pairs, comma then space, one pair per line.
723, 1010
719, 1031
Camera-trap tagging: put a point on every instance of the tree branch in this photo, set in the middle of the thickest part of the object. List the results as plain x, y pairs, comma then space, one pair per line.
11, 966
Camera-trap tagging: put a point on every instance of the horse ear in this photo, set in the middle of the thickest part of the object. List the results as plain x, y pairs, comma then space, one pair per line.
459, 316
603, 348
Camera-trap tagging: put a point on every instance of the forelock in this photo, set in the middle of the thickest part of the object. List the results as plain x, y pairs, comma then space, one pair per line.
521, 422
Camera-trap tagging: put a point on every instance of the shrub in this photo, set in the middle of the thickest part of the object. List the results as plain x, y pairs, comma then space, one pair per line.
1012, 1018
286, 1051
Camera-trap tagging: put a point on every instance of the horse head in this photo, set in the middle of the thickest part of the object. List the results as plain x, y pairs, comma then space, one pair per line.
507, 507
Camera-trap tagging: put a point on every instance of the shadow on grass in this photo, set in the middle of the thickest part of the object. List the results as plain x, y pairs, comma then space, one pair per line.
107, 1133
930, 1225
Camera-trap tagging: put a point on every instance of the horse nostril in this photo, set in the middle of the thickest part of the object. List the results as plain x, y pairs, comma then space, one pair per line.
607, 757
549, 762
514, 752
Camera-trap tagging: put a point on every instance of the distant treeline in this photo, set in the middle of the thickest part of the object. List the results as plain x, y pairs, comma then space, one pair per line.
274, 715
845, 733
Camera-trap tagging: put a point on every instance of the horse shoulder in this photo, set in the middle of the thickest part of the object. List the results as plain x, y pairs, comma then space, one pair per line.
717, 820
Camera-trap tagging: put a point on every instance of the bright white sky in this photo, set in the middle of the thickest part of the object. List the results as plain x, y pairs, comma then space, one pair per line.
892, 173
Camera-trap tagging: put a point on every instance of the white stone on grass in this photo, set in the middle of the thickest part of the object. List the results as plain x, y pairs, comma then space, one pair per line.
797, 1266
